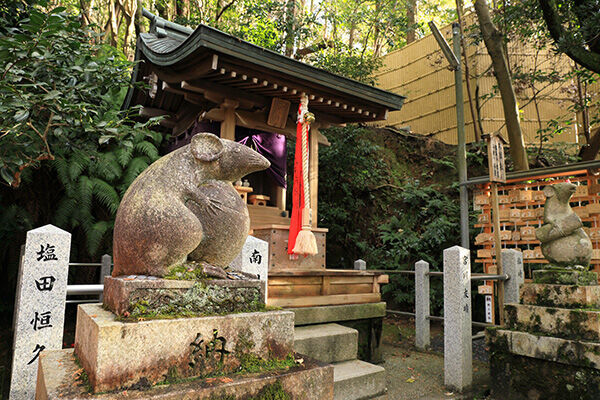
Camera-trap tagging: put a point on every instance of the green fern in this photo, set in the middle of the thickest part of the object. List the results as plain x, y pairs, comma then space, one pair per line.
148, 149
106, 195
96, 233
135, 167
124, 155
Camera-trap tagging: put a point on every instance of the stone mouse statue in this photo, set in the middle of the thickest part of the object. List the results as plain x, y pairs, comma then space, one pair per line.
184, 206
564, 242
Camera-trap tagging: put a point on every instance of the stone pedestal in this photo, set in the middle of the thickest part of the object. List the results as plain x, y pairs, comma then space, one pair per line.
550, 347
142, 296
118, 354
59, 378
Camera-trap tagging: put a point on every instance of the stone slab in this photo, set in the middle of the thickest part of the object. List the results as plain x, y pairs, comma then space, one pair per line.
119, 354
40, 304
254, 259
354, 380
549, 348
565, 277
537, 375
131, 295
58, 373
559, 322
326, 342
346, 312
564, 296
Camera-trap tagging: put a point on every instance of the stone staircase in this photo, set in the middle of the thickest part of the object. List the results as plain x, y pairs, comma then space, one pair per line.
336, 344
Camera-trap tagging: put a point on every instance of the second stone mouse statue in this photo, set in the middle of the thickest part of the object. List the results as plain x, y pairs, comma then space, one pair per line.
564, 242
184, 207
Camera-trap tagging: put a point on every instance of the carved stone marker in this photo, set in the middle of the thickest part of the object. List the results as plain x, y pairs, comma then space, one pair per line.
458, 360
254, 259
40, 305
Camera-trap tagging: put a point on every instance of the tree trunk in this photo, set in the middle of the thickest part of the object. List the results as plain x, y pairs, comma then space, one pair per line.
463, 46
494, 44
290, 21
411, 16
182, 8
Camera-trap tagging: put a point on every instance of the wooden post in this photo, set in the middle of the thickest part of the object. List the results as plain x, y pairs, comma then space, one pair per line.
313, 169
280, 200
498, 249
497, 170
228, 124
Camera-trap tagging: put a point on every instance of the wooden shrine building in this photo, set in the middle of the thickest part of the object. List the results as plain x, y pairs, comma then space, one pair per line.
206, 80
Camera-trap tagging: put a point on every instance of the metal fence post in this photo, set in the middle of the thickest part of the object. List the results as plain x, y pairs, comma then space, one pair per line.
105, 271
512, 264
422, 337
458, 362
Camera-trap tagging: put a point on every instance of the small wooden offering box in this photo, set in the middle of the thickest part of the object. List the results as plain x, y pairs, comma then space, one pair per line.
277, 237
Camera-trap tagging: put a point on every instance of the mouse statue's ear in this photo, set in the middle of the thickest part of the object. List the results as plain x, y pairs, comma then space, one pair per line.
549, 191
206, 147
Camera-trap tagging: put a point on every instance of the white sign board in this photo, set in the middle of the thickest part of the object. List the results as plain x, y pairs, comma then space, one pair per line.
489, 311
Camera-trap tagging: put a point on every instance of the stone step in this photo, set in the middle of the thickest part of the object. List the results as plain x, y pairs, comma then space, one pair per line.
329, 343
358, 380
566, 296
558, 322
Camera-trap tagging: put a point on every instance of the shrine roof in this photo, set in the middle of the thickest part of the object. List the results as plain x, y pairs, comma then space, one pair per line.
190, 65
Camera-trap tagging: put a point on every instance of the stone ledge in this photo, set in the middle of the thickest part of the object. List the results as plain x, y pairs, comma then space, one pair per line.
125, 295
564, 351
565, 277
58, 372
558, 322
565, 296
347, 312
118, 354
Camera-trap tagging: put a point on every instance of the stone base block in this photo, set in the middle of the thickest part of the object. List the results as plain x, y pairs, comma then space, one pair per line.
565, 296
345, 312
329, 343
565, 277
59, 377
119, 354
548, 348
558, 322
525, 367
136, 294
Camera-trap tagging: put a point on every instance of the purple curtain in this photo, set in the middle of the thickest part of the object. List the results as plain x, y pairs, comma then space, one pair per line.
272, 147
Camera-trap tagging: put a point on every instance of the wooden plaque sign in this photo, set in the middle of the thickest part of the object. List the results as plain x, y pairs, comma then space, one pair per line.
279, 112
485, 289
496, 159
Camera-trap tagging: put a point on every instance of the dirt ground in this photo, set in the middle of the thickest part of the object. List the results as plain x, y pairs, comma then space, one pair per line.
418, 375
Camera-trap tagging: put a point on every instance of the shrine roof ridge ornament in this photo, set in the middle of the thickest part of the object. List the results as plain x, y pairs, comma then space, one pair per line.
169, 44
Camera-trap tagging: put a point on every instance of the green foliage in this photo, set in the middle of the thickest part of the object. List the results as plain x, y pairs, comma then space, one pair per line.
67, 151
376, 210
59, 93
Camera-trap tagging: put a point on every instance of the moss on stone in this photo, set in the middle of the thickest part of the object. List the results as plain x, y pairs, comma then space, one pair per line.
188, 271
202, 299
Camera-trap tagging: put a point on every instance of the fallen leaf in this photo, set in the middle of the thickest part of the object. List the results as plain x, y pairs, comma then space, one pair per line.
411, 379
226, 380
94, 315
449, 393
300, 361
410, 368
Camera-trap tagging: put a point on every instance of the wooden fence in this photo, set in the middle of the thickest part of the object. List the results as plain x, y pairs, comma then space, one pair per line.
420, 72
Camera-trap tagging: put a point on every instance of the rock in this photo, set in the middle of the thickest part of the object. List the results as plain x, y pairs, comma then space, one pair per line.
184, 206
564, 242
